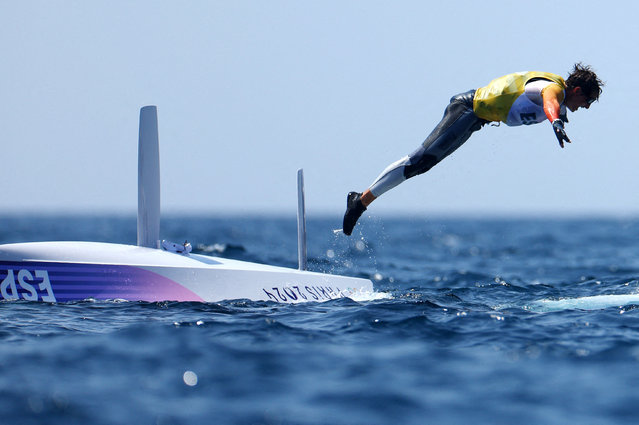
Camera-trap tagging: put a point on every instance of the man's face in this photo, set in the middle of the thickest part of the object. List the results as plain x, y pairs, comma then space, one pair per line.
576, 98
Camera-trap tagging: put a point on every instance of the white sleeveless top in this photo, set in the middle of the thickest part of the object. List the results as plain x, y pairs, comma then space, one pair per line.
528, 108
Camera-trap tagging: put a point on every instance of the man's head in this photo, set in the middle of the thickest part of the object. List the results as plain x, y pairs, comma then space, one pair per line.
583, 87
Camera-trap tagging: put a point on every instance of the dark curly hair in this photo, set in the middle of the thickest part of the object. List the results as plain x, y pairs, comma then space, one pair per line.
583, 76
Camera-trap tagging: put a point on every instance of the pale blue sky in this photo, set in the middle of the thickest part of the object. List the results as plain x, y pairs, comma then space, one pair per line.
249, 91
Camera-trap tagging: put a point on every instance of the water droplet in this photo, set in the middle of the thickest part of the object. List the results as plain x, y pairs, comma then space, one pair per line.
190, 378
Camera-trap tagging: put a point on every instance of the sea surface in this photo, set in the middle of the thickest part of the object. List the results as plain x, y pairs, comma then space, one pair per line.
474, 321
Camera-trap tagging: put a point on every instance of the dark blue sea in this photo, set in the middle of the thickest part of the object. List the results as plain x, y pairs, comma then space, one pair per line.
475, 321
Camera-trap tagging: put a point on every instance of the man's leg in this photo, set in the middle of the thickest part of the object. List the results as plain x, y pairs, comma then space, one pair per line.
458, 123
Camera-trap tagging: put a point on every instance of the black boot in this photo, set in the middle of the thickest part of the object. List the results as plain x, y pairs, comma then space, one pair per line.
354, 209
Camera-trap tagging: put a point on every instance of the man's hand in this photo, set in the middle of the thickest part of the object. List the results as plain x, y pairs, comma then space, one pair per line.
558, 128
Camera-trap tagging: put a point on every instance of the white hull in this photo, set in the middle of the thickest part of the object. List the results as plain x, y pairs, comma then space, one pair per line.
69, 271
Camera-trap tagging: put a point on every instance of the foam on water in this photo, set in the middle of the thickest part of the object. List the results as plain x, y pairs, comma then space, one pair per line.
363, 296
596, 302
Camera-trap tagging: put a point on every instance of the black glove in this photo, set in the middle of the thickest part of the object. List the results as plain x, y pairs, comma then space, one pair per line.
558, 128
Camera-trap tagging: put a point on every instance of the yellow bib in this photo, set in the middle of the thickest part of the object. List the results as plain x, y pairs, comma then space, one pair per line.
494, 101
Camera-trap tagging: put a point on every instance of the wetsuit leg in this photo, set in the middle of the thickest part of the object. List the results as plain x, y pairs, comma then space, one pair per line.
458, 123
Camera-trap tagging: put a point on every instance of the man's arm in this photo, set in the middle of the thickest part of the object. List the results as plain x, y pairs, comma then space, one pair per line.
552, 96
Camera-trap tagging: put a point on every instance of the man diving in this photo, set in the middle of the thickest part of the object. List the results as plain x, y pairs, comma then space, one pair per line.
514, 99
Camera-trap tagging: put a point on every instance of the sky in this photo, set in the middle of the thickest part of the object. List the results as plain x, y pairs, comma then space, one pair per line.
249, 91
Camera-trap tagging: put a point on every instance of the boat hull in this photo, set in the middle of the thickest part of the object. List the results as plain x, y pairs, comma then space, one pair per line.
72, 271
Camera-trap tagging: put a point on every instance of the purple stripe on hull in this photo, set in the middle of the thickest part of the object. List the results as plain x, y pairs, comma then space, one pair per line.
42, 281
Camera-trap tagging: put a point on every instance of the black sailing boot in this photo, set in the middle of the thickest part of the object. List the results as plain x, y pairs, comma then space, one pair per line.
354, 209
